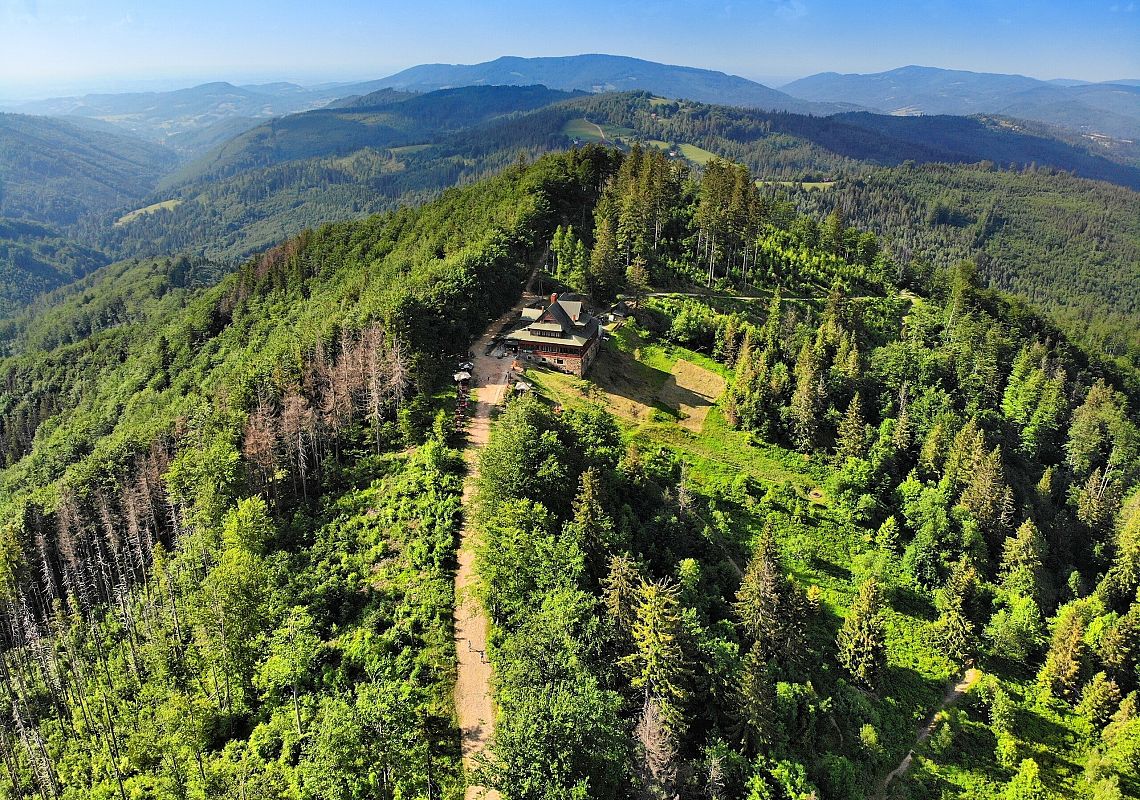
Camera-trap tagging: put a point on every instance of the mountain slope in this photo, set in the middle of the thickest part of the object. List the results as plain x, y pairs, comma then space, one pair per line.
55, 172
347, 575
230, 515
1108, 109
606, 73
378, 120
36, 258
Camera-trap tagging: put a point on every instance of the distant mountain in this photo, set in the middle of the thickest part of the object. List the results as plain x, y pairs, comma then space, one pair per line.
177, 117
606, 73
1097, 108
54, 172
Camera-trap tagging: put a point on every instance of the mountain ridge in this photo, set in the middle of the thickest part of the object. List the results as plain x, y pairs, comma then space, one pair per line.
597, 72
1109, 108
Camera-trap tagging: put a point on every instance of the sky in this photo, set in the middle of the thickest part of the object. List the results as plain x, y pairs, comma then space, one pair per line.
62, 46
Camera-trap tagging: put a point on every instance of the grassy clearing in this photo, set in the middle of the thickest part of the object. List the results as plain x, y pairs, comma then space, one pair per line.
165, 205
582, 129
592, 132
698, 155
408, 149
803, 185
692, 390
666, 396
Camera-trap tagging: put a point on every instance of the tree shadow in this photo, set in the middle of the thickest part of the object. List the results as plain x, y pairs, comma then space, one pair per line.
830, 569
907, 601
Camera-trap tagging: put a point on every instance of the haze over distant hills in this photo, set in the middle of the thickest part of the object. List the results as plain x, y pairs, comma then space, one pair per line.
1111, 109
193, 119
196, 119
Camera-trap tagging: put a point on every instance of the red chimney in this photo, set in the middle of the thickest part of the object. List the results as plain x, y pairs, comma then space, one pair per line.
553, 298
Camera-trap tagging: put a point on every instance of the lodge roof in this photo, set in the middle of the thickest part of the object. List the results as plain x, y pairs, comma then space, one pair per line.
560, 322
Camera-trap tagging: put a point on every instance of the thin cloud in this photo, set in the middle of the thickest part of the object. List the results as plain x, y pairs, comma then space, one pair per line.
790, 9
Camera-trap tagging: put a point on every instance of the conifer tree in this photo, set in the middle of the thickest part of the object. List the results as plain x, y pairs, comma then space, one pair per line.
658, 665
807, 401
1022, 562
954, 630
756, 701
605, 263
620, 591
862, 638
1100, 698
637, 278
852, 439
1064, 663
770, 606
1026, 784
591, 527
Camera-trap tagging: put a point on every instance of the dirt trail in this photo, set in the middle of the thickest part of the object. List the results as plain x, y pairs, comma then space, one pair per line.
474, 708
953, 695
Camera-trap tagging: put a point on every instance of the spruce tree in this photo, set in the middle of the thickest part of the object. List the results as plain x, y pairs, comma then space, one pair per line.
1021, 562
658, 665
605, 262
1061, 673
852, 439
862, 639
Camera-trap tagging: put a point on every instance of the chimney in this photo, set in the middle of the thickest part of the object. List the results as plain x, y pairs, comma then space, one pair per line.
554, 298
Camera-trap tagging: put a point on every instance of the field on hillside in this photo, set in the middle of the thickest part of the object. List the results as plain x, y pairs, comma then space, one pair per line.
165, 205
800, 184
698, 155
588, 131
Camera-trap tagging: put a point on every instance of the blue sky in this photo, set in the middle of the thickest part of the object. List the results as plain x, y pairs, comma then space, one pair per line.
115, 44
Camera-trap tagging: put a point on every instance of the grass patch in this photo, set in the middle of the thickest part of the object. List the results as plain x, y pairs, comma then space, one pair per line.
817, 185
588, 131
698, 155
165, 205
692, 390
653, 389
408, 149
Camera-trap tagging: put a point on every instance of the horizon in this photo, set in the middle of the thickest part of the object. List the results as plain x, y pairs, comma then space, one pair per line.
130, 85
51, 48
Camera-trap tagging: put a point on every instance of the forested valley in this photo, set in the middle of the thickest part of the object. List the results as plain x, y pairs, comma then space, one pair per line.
231, 502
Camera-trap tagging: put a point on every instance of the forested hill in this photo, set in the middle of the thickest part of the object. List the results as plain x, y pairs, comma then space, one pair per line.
344, 163
230, 515
54, 172
382, 120
1068, 244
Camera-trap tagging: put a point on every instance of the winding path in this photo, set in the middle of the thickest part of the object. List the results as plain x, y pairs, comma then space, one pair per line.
953, 695
474, 706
